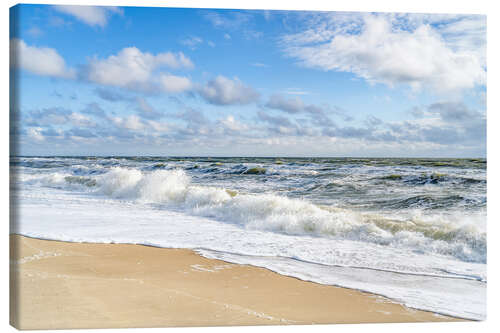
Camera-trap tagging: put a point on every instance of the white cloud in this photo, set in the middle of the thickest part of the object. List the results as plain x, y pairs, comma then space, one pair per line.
131, 122
192, 42
382, 52
232, 124
58, 116
131, 68
468, 34
320, 113
447, 128
91, 15
144, 106
159, 126
460, 32
290, 105
173, 60
174, 84
35, 134
38, 60
224, 91
146, 110
48, 116
79, 120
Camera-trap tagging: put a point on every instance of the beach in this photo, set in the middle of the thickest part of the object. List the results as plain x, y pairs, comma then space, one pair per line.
326, 221
83, 285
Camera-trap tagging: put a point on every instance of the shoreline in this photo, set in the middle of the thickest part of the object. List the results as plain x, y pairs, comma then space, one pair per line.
56, 284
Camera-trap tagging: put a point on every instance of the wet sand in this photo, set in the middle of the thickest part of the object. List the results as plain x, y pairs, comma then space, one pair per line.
80, 285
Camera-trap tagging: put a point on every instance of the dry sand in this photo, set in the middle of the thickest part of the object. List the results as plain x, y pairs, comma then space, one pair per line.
80, 285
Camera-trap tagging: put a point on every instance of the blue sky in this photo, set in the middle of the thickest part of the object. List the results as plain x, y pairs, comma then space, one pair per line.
164, 81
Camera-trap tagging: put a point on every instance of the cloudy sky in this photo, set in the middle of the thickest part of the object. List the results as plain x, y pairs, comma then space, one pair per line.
162, 81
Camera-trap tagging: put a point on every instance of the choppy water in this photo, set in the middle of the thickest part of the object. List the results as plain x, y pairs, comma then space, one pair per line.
410, 229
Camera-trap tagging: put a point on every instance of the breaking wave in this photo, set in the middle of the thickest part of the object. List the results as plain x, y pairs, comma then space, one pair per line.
456, 235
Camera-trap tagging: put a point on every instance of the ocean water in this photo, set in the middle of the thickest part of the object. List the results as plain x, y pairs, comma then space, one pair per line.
413, 230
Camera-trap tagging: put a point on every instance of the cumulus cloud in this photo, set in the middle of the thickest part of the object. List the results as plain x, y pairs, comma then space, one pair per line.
283, 126
441, 128
372, 121
464, 33
35, 133
130, 68
80, 120
43, 61
192, 116
443, 123
174, 84
157, 126
91, 15
294, 105
81, 132
383, 52
225, 91
47, 117
110, 95
275, 120
290, 105
56, 116
439, 125
131, 122
146, 110
95, 110
133, 69
231, 124
52, 132
453, 111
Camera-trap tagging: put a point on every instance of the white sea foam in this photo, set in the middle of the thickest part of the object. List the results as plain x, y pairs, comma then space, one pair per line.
461, 236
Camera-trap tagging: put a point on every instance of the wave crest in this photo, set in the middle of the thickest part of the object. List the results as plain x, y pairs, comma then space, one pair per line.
268, 212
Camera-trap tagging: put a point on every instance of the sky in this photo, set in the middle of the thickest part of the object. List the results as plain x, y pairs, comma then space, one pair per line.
206, 82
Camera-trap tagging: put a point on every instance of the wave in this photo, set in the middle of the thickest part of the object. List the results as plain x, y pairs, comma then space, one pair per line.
87, 181
60, 180
458, 235
427, 202
433, 178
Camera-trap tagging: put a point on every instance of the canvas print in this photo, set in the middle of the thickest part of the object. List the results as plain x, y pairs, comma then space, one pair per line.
216, 167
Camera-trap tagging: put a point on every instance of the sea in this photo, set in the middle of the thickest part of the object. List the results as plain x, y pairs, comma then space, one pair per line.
410, 229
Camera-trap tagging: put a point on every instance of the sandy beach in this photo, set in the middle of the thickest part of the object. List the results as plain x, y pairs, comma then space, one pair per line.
80, 285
